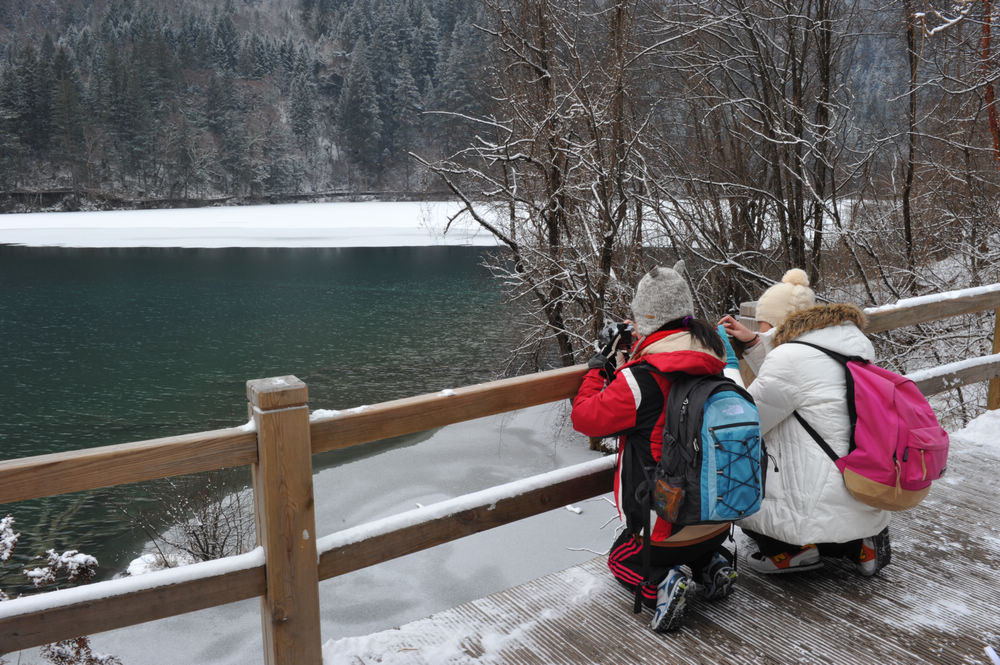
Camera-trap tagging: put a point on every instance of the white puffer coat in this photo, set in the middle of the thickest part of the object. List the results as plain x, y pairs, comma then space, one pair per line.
805, 501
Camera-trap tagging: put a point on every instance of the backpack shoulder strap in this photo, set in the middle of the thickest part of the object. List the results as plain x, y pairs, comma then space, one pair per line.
839, 357
685, 390
816, 437
852, 412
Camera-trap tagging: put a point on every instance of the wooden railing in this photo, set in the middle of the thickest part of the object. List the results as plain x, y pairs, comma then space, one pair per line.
279, 443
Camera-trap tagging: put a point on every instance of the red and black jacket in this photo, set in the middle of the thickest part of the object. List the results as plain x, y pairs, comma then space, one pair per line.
633, 407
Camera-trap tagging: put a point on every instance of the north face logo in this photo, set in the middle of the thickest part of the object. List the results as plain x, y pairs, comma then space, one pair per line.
734, 410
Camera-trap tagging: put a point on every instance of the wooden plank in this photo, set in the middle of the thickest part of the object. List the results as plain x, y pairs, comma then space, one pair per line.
954, 375
72, 619
78, 470
286, 521
424, 412
912, 311
487, 515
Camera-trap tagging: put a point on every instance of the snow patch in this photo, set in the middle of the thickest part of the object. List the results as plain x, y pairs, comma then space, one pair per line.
339, 224
98, 590
249, 426
980, 431
153, 561
933, 298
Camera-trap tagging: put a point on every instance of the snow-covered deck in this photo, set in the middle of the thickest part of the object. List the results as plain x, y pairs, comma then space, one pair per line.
936, 602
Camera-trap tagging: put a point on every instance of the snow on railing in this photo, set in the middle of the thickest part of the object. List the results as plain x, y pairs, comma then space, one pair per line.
96, 591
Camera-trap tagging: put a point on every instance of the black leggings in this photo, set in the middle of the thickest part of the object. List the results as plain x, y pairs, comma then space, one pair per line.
770, 546
625, 561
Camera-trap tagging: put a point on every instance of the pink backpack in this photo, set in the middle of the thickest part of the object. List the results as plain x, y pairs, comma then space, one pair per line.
897, 445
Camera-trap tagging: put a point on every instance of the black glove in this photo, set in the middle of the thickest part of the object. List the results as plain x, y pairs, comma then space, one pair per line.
603, 363
597, 361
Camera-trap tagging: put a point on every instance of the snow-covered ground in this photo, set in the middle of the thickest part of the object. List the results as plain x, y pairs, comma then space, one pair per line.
341, 224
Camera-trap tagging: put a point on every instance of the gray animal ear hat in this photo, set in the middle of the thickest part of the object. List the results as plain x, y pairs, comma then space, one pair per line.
661, 296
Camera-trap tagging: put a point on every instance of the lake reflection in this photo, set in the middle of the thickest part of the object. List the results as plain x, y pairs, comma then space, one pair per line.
108, 346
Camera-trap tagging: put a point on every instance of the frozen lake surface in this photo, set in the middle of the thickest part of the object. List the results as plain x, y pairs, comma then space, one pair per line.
340, 224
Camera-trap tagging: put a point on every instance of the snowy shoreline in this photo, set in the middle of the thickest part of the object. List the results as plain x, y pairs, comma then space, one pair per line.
338, 224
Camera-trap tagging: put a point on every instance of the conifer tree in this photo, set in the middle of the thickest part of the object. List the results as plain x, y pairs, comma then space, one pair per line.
358, 112
423, 61
303, 110
405, 111
67, 115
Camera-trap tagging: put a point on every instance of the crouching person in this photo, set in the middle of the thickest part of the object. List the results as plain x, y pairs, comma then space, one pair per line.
630, 401
807, 512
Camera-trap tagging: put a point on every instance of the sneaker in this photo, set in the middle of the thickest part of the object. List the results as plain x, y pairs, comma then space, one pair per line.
792, 561
876, 553
717, 578
671, 601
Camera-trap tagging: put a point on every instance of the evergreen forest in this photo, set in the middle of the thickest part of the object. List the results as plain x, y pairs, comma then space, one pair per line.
197, 101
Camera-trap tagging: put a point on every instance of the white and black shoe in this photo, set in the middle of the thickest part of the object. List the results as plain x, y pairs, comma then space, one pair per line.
875, 554
794, 561
671, 601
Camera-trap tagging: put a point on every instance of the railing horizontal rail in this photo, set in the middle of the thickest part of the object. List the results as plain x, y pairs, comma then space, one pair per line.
47, 617
416, 530
947, 377
424, 412
922, 309
56, 615
120, 464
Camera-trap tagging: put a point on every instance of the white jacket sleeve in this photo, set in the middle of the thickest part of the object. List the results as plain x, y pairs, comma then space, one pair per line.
776, 390
754, 356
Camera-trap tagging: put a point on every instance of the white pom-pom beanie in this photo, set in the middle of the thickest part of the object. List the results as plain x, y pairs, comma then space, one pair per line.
661, 296
792, 293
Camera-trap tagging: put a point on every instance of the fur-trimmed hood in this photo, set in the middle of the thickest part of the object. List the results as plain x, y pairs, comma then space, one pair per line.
817, 317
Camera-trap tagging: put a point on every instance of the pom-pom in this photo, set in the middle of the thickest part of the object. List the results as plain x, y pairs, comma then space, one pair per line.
796, 277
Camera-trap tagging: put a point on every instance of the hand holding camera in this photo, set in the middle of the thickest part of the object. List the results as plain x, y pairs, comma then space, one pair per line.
614, 340
615, 337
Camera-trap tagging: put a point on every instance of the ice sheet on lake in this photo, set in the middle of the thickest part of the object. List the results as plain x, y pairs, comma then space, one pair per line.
340, 224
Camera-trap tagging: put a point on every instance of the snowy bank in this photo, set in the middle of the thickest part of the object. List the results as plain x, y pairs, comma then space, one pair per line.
340, 224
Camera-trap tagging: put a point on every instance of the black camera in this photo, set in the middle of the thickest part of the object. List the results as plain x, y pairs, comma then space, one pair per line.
616, 337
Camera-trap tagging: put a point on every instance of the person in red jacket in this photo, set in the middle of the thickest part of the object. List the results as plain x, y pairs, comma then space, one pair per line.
629, 401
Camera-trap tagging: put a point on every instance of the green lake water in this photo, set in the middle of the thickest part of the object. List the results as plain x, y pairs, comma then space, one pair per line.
105, 346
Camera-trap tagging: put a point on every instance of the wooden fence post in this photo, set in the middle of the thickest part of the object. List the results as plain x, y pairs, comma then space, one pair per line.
993, 393
286, 521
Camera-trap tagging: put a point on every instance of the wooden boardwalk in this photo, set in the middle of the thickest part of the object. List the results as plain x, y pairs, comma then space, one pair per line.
936, 603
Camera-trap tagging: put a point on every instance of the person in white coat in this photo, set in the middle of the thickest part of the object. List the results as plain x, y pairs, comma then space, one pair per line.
807, 511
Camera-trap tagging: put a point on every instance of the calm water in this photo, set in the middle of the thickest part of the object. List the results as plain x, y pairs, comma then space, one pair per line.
108, 346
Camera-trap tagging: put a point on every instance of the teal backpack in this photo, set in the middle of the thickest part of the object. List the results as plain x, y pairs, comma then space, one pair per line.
711, 467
